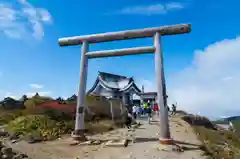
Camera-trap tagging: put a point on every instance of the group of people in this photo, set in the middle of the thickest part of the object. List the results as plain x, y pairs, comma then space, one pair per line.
145, 109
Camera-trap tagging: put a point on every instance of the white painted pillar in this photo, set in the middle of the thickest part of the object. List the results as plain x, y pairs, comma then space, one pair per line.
161, 89
81, 100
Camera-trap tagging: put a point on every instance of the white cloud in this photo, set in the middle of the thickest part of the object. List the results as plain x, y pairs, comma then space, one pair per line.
151, 9
211, 84
41, 93
4, 94
21, 19
149, 85
9, 94
36, 86
174, 6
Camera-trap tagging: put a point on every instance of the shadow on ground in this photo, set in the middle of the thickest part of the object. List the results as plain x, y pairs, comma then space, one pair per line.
186, 146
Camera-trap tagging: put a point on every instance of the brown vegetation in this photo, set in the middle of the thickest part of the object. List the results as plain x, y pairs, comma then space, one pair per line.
50, 118
217, 144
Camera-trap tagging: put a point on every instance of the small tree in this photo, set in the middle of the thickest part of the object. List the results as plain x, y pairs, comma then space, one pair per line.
24, 98
72, 98
36, 95
59, 99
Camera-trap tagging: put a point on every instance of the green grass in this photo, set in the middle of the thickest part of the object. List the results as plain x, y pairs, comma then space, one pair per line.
236, 124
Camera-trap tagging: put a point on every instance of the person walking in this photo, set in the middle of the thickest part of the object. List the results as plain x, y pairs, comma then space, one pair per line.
138, 111
127, 119
156, 108
149, 113
145, 105
168, 110
134, 112
173, 109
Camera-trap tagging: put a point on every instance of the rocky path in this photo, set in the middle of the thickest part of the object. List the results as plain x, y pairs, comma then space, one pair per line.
144, 147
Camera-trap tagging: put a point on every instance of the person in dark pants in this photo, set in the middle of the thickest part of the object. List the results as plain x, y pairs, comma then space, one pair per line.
134, 112
173, 109
128, 120
149, 113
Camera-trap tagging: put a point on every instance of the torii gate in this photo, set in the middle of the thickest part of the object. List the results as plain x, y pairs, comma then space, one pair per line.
156, 33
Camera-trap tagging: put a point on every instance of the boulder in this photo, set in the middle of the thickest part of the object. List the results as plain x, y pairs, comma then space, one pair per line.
6, 150
34, 137
4, 134
7, 153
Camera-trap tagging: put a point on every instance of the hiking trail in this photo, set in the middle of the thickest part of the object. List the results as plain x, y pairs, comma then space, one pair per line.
144, 147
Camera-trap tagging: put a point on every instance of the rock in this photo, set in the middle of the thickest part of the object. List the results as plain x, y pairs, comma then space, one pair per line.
163, 147
34, 137
74, 143
19, 156
7, 153
85, 143
118, 143
1, 145
5, 156
14, 141
4, 133
203, 153
97, 142
13, 136
29, 139
6, 150
177, 149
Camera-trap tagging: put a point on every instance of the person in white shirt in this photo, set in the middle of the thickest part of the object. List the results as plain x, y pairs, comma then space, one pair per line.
134, 111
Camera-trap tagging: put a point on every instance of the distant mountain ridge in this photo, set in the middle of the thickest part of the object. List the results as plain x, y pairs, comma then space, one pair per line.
230, 118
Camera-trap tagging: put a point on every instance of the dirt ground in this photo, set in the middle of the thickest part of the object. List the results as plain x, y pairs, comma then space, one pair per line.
144, 146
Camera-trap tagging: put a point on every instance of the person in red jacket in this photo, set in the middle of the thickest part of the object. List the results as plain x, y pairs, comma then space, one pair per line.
156, 108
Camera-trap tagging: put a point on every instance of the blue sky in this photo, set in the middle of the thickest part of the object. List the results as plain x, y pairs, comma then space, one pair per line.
32, 61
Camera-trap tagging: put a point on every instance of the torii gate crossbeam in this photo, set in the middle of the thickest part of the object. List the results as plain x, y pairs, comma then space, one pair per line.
156, 33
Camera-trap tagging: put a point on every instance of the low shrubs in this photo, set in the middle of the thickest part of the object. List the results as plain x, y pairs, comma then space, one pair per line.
216, 144
56, 114
46, 119
219, 144
44, 125
196, 120
9, 115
